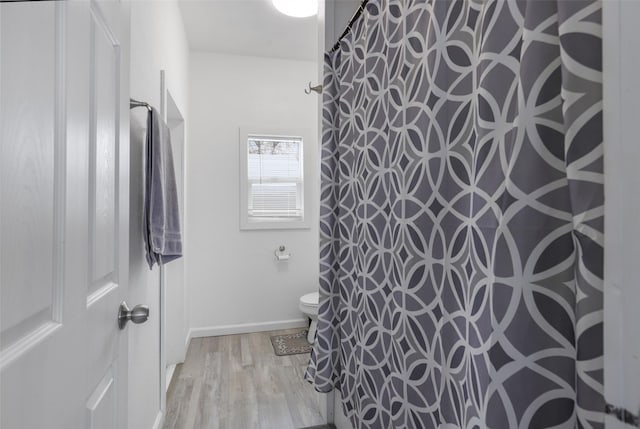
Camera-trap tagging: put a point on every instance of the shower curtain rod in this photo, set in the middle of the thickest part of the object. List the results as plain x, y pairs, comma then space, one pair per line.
349, 25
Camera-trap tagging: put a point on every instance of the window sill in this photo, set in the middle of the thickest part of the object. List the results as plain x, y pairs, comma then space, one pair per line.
249, 225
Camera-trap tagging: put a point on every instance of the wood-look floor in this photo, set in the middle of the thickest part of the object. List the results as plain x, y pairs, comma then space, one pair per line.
237, 382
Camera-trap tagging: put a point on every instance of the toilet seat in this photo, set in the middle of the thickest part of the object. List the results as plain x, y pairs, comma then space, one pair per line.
310, 299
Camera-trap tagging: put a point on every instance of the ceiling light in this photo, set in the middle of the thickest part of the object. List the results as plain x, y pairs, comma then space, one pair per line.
297, 8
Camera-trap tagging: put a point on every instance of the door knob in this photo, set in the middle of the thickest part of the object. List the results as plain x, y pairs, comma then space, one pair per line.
139, 314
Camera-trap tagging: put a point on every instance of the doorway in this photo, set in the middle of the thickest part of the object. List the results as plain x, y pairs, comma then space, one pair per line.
173, 325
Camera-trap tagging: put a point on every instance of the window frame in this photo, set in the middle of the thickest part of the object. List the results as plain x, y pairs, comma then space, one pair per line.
250, 223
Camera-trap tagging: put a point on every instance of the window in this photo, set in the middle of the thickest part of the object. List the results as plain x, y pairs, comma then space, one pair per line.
272, 182
275, 177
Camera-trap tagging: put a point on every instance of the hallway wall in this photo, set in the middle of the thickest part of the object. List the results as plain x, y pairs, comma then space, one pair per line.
158, 42
235, 285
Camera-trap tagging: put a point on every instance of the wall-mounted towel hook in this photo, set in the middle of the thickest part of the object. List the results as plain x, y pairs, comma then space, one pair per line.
317, 88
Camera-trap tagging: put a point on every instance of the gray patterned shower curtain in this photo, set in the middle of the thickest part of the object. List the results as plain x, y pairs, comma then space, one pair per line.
461, 252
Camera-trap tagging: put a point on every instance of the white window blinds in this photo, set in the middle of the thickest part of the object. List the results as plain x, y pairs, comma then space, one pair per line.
274, 177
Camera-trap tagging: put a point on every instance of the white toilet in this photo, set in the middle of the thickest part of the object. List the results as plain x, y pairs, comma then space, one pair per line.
309, 306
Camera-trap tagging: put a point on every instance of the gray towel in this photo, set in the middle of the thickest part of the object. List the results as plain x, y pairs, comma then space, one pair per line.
161, 228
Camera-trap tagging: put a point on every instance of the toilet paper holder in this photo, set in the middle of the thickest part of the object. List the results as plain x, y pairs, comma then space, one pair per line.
280, 253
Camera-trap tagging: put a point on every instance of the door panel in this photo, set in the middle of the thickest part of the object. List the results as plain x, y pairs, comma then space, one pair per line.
64, 201
30, 234
105, 84
101, 405
37, 307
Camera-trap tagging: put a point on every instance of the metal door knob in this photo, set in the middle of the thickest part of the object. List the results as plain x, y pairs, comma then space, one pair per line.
139, 314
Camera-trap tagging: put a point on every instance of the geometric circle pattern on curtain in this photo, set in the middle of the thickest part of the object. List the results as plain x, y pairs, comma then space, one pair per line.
461, 249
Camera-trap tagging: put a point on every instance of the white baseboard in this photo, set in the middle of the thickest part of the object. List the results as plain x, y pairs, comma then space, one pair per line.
330, 398
170, 371
187, 340
245, 328
159, 420
340, 421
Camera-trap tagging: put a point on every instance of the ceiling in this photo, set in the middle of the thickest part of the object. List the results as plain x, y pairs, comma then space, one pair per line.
248, 27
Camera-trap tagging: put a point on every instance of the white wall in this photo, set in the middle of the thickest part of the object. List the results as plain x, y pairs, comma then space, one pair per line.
337, 14
622, 239
158, 42
233, 278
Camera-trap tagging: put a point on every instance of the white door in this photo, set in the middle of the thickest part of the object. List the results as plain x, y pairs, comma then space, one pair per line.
622, 207
63, 214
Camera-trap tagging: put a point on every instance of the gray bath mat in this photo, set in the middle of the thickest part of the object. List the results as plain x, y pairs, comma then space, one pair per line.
291, 344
